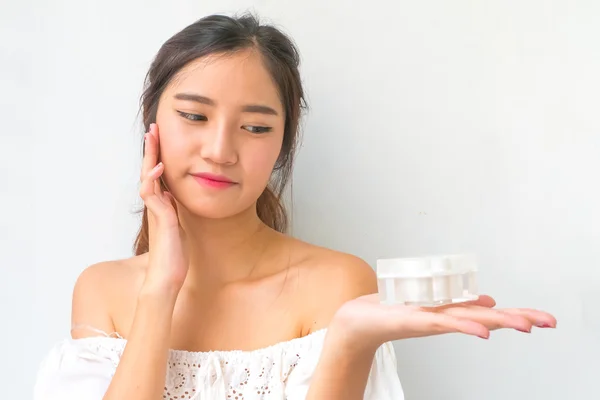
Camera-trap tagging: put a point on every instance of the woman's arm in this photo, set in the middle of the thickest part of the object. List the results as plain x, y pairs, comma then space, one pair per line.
343, 370
142, 368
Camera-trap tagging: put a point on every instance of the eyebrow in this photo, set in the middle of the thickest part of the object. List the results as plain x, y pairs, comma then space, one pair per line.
251, 108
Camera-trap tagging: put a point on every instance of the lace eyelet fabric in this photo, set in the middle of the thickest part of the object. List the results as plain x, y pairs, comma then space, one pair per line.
83, 368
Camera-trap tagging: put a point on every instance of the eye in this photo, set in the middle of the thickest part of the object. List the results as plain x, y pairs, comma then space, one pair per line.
192, 117
257, 129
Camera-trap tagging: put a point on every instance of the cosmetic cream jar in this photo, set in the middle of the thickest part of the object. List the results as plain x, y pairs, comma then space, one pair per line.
427, 281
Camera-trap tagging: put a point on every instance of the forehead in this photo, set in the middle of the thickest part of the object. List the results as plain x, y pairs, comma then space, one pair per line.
229, 79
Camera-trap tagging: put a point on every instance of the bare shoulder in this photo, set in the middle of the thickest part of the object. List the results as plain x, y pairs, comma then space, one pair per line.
98, 289
328, 279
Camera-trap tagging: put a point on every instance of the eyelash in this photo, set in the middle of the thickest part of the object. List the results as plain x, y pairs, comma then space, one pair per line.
249, 128
192, 117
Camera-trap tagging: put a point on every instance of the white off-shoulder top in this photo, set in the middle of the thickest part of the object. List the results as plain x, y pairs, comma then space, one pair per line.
81, 369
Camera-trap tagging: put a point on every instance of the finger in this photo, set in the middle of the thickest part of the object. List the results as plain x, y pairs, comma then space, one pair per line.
490, 318
159, 185
443, 323
155, 135
538, 318
151, 200
481, 301
150, 152
158, 189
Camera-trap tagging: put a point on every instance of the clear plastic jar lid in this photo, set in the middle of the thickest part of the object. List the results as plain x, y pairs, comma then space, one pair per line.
426, 266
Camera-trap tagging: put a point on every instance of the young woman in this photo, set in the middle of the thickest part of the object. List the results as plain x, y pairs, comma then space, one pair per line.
218, 303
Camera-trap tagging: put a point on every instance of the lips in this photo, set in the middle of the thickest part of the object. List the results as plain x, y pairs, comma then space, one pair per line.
213, 181
214, 177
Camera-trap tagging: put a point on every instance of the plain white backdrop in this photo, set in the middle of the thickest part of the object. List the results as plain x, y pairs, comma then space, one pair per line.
435, 127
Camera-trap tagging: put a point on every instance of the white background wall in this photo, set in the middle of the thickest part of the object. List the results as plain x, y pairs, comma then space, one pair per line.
436, 126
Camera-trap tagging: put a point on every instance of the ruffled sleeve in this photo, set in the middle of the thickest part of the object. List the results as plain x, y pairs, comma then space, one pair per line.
76, 369
383, 383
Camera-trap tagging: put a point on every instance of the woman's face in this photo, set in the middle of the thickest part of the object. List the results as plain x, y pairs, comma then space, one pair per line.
220, 125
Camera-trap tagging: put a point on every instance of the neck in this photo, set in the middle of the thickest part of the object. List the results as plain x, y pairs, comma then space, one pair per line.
223, 250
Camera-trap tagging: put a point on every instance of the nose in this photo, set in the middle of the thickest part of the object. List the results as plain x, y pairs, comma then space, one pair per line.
219, 145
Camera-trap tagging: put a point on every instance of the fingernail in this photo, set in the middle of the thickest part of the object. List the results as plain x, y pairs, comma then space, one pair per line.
544, 325
524, 330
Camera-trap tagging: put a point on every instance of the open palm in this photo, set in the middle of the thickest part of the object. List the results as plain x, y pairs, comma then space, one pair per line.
379, 323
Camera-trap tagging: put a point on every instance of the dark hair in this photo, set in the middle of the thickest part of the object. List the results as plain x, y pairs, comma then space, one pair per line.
219, 34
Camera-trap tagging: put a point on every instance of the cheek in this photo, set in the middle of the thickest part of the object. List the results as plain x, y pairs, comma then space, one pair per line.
174, 153
259, 161
173, 141
172, 148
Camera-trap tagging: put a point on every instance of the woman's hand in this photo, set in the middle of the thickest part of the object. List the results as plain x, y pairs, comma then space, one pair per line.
366, 323
168, 260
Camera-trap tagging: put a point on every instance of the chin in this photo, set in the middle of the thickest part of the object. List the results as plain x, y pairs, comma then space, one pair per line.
215, 209
216, 203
